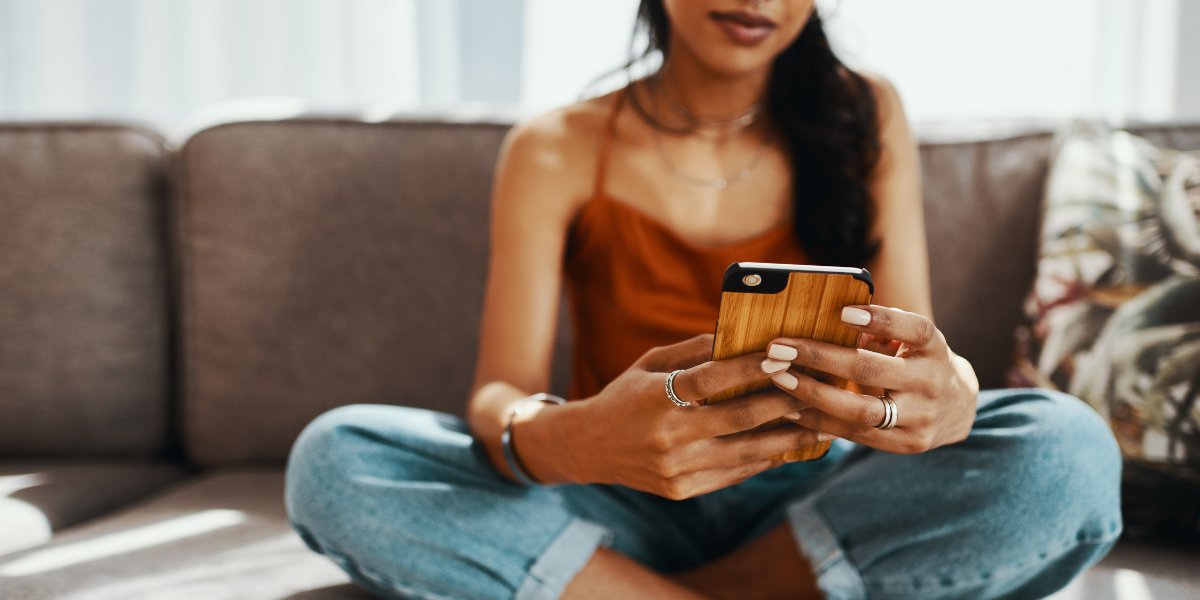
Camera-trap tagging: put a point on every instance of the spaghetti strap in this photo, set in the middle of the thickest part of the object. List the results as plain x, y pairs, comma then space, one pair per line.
610, 131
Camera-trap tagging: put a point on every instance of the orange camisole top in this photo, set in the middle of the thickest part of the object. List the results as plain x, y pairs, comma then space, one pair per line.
634, 284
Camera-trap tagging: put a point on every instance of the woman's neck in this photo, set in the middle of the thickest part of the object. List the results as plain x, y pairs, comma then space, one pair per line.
707, 94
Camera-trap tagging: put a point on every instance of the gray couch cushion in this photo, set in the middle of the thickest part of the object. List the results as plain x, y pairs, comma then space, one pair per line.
327, 263
221, 536
41, 496
83, 354
1180, 136
982, 204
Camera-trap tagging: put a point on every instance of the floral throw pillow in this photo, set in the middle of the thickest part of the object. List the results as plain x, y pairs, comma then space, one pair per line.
1114, 314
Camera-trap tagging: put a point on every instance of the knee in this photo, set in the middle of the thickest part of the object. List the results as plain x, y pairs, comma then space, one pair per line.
338, 454
322, 445
319, 457
1061, 454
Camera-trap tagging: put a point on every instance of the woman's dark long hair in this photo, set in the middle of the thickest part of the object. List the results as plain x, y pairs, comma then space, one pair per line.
829, 118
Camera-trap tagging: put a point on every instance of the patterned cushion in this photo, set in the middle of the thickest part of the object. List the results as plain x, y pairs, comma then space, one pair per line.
1115, 309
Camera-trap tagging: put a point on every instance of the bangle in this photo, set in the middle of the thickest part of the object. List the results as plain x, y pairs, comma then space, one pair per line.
510, 454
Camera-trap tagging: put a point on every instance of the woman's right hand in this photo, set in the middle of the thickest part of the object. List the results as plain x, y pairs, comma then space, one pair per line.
633, 435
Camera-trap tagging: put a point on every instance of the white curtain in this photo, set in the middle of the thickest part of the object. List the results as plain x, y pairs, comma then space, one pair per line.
950, 59
159, 61
162, 60
971, 59
569, 44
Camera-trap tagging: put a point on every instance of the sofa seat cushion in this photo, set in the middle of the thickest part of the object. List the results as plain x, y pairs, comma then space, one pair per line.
218, 535
38, 497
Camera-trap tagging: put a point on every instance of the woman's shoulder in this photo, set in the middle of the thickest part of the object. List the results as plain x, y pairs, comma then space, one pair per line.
563, 140
548, 164
887, 99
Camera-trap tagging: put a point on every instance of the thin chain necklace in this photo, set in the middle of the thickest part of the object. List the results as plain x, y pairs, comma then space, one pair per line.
719, 183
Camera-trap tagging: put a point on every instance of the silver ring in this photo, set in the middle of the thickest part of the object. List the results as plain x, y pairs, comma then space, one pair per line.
671, 389
889, 413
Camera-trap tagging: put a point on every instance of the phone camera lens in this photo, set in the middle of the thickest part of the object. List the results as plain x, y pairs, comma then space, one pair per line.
752, 279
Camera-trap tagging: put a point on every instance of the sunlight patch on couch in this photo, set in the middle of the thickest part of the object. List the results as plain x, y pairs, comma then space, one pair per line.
121, 542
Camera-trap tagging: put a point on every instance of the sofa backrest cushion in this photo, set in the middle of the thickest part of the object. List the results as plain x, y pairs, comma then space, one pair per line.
1180, 136
83, 290
982, 204
324, 263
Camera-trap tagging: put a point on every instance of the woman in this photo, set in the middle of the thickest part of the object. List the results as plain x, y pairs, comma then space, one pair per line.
751, 143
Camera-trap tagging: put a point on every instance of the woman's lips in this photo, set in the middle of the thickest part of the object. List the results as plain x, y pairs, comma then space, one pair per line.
744, 28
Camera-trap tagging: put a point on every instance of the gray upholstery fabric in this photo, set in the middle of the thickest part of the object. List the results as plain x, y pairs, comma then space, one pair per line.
1180, 136
83, 353
982, 204
221, 536
1177, 136
40, 496
327, 263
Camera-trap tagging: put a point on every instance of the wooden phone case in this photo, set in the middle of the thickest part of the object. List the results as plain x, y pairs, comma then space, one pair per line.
796, 301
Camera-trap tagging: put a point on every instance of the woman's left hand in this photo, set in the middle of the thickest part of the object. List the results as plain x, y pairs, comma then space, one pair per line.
934, 389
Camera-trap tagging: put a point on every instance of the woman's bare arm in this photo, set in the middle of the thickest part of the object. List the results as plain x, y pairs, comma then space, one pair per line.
901, 270
540, 183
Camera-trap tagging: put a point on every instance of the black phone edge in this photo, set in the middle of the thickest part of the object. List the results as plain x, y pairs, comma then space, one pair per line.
731, 281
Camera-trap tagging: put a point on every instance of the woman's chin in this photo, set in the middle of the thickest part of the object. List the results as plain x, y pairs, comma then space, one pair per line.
737, 62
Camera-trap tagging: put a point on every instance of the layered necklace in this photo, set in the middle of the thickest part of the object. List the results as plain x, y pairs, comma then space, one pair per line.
697, 126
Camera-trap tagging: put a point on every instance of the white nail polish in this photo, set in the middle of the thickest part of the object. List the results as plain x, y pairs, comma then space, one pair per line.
793, 416
781, 352
774, 366
855, 316
786, 380
825, 437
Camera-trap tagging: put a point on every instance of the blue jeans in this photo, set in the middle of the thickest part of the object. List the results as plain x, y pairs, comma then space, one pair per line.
405, 501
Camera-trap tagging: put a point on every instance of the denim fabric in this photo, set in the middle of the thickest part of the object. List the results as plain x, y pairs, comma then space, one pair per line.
404, 500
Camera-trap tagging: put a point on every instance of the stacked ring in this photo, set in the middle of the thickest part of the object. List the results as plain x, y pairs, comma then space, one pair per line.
671, 389
889, 413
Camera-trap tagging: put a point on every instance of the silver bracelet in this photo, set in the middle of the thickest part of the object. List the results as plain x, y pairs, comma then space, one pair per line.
510, 454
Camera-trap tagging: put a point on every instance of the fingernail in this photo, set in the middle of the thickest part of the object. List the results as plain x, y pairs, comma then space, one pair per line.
781, 352
785, 380
793, 416
855, 316
825, 437
774, 366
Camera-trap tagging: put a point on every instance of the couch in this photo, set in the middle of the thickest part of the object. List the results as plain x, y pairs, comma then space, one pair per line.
172, 317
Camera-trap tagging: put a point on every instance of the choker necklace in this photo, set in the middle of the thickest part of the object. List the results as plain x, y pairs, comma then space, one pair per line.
695, 125
698, 124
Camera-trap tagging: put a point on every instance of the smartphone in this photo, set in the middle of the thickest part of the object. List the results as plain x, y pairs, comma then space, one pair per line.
764, 301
